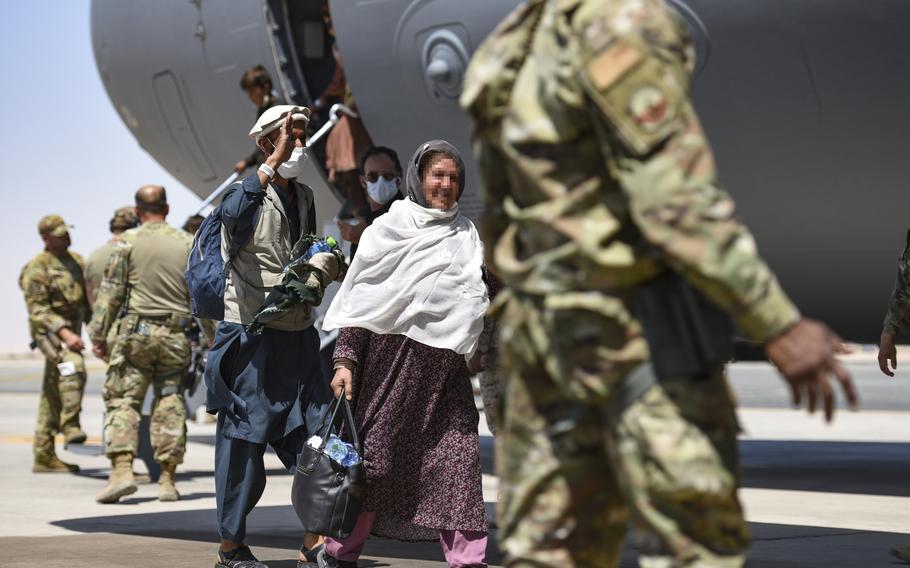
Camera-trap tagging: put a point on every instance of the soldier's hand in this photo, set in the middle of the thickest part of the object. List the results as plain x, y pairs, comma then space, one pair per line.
343, 383
887, 353
72, 341
99, 348
805, 356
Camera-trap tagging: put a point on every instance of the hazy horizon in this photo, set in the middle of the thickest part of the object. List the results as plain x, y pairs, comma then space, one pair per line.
65, 145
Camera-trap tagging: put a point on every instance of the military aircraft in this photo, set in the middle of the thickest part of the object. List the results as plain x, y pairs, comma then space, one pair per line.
806, 105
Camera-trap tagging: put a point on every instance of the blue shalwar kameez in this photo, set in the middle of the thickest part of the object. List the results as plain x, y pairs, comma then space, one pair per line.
267, 389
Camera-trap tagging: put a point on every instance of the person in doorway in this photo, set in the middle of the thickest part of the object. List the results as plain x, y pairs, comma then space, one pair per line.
257, 84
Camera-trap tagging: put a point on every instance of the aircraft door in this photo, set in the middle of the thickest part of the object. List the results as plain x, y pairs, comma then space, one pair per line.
405, 62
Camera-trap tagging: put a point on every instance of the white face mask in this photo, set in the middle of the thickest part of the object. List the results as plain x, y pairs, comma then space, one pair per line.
382, 190
294, 166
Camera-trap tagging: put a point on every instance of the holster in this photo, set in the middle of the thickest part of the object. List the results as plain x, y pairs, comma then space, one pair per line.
688, 335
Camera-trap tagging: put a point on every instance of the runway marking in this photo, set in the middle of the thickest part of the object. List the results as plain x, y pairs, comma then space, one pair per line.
30, 439
844, 511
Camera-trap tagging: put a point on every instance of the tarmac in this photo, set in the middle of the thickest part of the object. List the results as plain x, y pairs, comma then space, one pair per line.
815, 495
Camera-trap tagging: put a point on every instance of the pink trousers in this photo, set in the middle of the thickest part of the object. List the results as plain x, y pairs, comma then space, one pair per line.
462, 549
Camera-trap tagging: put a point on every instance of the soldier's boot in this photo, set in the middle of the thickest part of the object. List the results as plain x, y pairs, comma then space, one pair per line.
121, 482
74, 436
53, 464
167, 491
901, 552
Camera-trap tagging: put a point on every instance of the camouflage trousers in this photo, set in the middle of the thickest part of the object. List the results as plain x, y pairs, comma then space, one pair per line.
146, 353
61, 401
576, 472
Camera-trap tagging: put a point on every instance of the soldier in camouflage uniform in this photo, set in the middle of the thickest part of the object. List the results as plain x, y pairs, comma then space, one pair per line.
600, 186
897, 320
144, 278
124, 219
55, 296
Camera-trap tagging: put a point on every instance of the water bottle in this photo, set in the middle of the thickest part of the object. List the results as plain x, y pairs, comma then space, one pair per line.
335, 448
351, 457
318, 247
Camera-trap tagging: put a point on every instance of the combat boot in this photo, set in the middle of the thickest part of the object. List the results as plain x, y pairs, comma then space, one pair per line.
75, 436
121, 482
53, 464
167, 491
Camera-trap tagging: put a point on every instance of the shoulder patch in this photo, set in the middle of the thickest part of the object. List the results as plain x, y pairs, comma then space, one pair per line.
639, 95
649, 108
611, 64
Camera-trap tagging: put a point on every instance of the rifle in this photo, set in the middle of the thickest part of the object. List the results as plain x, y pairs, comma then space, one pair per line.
49, 345
195, 371
689, 336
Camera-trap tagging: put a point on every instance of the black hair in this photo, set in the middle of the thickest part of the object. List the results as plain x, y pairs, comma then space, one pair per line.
380, 150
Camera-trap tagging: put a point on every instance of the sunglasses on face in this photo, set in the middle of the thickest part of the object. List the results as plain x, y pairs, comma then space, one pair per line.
373, 177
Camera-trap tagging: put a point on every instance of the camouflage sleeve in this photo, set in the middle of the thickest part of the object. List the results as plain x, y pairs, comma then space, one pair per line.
495, 184
86, 308
635, 72
111, 294
35, 285
897, 320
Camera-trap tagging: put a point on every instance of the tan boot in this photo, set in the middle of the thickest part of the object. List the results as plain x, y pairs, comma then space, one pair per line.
167, 491
121, 482
75, 436
53, 464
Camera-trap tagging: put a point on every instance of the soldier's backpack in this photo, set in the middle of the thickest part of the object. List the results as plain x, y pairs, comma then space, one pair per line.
206, 270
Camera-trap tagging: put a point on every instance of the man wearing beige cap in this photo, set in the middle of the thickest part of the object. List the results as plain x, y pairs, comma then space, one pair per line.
268, 388
54, 289
124, 219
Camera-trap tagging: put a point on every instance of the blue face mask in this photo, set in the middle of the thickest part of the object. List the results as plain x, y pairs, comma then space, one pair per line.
382, 190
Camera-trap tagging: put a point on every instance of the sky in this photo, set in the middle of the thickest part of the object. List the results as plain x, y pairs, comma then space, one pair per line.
63, 147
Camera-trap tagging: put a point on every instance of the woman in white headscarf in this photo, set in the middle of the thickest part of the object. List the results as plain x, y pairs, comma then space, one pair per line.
410, 313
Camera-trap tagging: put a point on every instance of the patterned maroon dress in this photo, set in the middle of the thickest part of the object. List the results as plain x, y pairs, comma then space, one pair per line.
415, 409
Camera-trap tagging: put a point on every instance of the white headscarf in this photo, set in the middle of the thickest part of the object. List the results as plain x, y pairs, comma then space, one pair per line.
417, 273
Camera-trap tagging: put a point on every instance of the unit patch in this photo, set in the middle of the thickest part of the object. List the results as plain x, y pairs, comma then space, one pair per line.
649, 107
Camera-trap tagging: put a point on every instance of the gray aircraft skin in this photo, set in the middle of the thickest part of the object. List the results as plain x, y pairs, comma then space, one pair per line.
807, 105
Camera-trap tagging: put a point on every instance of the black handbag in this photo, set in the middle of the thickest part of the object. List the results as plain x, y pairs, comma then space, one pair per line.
327, 495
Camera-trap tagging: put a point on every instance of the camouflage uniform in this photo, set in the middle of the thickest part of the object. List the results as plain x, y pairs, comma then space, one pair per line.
151, 348
124, 218
55, 296
897, 320
598, 180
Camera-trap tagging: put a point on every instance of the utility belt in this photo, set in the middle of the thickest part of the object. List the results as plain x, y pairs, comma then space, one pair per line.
141, 324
